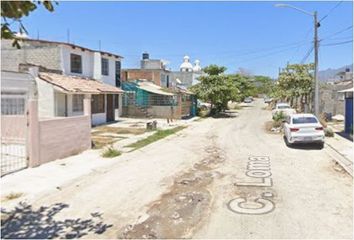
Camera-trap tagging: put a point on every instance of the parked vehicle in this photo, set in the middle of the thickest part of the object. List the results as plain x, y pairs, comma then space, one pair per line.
268, 100
247, 100
303, 128
284, 108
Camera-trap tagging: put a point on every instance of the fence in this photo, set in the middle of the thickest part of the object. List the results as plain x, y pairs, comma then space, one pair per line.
14, 142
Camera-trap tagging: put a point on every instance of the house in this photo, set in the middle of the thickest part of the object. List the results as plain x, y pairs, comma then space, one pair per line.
67, 74
154, 70
348, 94
331, 100
143, 98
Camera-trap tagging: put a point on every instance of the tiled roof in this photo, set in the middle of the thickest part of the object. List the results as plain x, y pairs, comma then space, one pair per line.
76, 84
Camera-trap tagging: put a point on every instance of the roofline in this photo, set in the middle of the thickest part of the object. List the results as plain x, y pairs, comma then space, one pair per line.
69, 44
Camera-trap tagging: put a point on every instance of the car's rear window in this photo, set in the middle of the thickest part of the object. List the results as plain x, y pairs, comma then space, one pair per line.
283, 107
303, 120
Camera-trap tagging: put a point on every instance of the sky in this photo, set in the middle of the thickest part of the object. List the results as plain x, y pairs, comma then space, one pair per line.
255, 36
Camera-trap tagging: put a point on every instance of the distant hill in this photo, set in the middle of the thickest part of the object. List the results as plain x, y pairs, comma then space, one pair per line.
328, 74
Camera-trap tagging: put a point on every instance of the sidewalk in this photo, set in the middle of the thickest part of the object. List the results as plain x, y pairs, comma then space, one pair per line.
341, 150
31, 183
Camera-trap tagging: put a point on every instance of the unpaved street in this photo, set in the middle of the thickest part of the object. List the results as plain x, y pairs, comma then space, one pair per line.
219, 178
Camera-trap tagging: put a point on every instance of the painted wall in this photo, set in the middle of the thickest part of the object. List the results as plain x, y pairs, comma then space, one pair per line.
46, 107
110, 78
63, 137
86, 58
13, 126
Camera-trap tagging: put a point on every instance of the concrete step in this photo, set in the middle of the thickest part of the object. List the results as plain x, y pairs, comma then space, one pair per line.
346, 163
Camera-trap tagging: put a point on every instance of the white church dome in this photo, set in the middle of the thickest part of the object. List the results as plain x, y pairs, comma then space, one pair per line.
186, 66
197, 67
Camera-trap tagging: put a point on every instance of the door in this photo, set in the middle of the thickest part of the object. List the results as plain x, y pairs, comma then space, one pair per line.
110, 108
349, 115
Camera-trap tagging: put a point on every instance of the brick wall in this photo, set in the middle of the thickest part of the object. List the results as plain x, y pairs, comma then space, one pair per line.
134, 74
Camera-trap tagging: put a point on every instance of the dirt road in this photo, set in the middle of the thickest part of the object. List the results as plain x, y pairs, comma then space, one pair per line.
219, 178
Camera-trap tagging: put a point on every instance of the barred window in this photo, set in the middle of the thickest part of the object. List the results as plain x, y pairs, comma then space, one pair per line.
75, 63
78, 103
13, 105
97, 104
105, 66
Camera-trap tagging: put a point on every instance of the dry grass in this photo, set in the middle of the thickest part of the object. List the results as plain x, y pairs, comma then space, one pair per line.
118, 130
12, 196
99, 140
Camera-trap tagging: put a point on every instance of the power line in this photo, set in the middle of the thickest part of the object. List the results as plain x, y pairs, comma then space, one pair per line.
339, 32
338, 43
307, 55
330, 11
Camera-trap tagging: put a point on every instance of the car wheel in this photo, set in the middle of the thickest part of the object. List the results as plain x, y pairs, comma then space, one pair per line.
287, 143
321, 145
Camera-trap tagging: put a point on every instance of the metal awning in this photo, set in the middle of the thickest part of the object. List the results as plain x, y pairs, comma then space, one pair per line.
347, 90
152, 88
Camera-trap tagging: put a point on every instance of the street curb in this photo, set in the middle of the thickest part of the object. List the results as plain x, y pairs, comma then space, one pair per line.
342, 160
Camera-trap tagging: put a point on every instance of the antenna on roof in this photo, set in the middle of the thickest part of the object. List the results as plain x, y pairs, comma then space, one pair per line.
37, 34
68, 35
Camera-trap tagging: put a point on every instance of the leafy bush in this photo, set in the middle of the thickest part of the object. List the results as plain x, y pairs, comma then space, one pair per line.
328, 132
110, 152
279, 116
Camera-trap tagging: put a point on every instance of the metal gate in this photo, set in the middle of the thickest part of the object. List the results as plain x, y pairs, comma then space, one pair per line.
14, 119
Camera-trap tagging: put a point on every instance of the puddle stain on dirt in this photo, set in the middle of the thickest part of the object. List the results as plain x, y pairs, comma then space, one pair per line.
178, 212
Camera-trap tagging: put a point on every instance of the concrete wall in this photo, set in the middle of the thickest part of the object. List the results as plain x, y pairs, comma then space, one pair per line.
47, 56
13, 126
331, 101
111, 78
46, 106
63, 137
86, 61
165, 112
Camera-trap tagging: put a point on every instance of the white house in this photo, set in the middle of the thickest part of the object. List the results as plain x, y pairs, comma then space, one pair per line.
68, 73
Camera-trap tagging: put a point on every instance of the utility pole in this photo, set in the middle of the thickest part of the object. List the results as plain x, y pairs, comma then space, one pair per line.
315, 100
317, 103
68, 35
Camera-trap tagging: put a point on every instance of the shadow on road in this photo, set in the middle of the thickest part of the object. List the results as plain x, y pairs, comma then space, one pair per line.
24, 222
303, 146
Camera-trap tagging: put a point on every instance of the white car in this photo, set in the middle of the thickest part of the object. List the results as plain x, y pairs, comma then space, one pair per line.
303, 128
283, 107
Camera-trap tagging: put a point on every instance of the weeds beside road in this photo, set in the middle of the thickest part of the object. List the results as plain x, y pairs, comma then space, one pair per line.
155, 137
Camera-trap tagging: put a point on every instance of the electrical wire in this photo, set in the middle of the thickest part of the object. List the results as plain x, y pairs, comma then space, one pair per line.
339, 32
338, 43
307, 55
330, 11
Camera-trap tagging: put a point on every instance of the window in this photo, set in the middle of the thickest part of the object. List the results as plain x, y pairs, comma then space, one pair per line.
304, 120
78, 103
75, 63
104, 66
12, 105
118, 69
97, 105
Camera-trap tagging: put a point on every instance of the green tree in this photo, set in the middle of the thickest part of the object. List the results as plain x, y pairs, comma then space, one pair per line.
295, 84
13, 11
216, 88
264, 85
